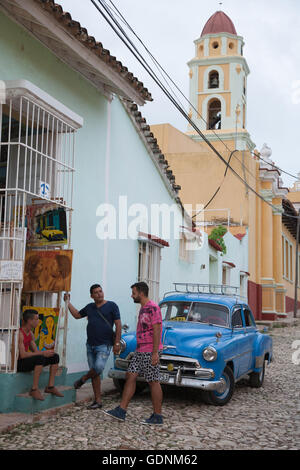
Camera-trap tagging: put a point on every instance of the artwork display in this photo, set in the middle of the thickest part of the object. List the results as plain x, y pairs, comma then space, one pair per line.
46, 225
47, 271
46, 331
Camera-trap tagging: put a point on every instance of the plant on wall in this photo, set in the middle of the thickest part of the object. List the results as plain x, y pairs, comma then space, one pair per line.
217, 235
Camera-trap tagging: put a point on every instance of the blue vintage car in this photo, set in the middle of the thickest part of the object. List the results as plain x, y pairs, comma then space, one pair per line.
210, 341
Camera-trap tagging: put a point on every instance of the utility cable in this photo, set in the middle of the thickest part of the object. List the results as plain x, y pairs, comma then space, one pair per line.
146, 66
119, 14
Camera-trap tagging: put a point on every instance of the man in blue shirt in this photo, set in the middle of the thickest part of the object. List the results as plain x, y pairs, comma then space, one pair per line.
102, 315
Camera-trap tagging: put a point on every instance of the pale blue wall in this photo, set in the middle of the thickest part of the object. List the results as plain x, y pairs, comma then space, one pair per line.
131, 173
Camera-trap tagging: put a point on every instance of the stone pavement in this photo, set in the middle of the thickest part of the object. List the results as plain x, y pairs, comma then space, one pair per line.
264, 418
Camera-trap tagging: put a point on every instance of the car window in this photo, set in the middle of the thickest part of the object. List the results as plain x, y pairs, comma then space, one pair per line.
209, 313
175, 311
248, 317
236, 320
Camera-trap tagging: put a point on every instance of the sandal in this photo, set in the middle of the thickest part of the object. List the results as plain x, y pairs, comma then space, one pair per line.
36, 394
53, 391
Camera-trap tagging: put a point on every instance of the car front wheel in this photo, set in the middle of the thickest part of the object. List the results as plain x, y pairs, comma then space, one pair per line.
223, 396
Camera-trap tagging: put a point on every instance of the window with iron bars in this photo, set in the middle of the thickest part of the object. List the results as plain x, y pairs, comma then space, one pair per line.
36, 165
149, 267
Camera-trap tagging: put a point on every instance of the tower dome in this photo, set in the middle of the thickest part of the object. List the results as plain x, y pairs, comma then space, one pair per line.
219, 23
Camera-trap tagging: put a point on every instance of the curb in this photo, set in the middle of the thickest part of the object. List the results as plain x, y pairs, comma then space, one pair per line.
19, 419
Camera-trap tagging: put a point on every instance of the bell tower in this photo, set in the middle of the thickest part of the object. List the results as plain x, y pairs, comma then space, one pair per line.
218, 84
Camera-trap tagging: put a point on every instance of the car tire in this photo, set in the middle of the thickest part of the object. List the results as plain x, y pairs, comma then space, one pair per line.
257, 378
220, 399
120, 383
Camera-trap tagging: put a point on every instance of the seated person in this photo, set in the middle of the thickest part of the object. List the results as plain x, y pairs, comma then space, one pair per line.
30, 358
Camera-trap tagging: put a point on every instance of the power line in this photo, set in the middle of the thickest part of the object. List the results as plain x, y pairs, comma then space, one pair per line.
146, 66
123, 19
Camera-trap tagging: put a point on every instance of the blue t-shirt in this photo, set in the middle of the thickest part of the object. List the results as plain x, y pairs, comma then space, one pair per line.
98, 331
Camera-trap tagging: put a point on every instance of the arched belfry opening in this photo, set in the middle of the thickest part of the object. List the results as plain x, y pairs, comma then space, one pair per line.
213, 79
214, 115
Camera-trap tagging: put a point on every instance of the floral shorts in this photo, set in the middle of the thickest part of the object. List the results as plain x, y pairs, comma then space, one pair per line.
141, 364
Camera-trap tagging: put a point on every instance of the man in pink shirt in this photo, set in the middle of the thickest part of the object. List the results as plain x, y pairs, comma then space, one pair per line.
145, 361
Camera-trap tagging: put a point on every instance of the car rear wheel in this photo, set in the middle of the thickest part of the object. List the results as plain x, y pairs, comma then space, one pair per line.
120, 383
223, 396
257, 378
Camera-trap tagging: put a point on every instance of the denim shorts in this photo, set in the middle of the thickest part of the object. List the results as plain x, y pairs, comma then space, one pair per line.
97, 356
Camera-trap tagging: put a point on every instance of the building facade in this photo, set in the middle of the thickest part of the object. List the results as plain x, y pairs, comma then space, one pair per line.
218, 77
80, 161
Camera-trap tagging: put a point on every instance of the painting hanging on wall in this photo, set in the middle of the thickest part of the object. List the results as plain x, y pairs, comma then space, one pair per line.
46, 331
47, 271
46, 225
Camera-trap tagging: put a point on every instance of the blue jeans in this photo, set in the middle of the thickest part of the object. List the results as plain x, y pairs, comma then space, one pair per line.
97, 356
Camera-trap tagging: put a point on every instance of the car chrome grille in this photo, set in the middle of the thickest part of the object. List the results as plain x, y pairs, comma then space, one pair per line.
171, 364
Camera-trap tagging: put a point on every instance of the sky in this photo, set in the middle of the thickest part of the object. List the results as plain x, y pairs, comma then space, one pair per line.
270, 29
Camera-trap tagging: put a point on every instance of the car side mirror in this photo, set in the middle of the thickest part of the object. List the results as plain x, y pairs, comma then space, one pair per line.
125, 327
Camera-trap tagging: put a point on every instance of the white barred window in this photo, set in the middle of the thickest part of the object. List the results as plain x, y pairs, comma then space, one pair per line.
149, 267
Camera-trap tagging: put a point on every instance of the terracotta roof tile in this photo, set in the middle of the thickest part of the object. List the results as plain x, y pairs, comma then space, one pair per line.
81, 34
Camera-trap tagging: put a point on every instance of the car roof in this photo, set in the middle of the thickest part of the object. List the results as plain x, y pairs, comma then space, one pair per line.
228, 301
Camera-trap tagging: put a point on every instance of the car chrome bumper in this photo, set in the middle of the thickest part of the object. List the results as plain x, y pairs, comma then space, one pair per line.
177, 380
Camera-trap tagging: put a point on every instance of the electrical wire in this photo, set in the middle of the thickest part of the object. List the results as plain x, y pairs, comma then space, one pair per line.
158, 65
146, 66
122, 18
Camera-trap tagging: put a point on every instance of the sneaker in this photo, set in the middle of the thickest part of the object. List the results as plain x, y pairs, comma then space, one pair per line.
78, 383
94, 406
154, 419
117, 413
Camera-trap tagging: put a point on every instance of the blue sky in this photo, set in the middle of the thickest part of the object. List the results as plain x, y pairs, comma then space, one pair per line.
270, 29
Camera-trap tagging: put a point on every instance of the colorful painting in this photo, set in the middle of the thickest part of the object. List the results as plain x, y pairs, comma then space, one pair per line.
47, 271
46, 225
45, 332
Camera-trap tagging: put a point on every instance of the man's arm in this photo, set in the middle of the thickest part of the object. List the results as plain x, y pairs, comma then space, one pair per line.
23, 354
156, 343
116, 347
75, 313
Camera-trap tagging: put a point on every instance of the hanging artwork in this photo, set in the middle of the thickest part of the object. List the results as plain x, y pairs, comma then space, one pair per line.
46, 331
47, 271
46, 225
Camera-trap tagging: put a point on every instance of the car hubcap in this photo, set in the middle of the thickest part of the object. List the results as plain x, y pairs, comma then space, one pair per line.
224, 387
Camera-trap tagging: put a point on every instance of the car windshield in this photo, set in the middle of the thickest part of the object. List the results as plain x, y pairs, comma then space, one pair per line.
209, 313
175, 311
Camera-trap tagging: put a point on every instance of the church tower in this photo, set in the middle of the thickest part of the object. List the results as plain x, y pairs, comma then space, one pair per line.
218, 84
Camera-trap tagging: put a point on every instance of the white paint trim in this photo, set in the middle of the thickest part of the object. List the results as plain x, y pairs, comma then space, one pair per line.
107, 174
21, 87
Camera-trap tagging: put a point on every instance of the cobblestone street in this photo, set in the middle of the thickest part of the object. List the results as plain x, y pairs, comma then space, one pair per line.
265, 418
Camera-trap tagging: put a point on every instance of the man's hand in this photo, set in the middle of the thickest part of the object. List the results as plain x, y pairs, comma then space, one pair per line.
116, 349
155, 359
66, 297
48, 353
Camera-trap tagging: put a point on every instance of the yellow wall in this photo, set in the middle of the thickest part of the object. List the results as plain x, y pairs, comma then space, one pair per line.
199, 172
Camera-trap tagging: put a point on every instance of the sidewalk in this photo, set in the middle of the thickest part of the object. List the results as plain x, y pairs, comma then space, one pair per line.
280, 323
85, 394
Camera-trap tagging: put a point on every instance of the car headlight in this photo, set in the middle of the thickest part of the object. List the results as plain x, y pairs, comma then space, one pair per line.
210, 354
122, 345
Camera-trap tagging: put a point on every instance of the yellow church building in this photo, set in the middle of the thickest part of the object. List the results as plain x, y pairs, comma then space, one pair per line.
218, 76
